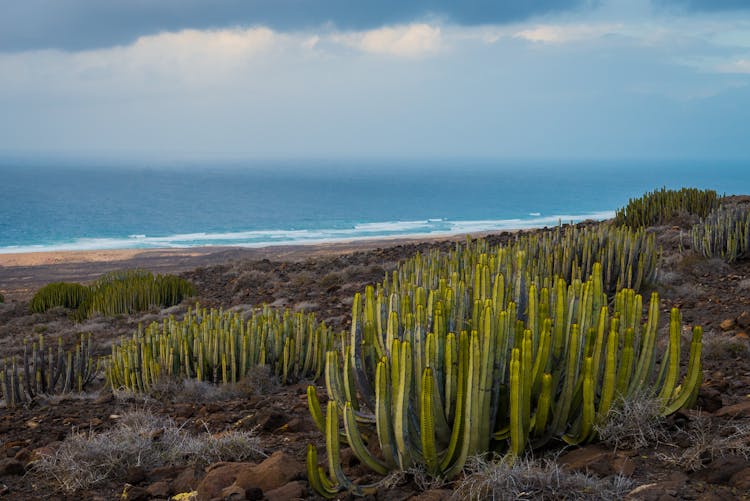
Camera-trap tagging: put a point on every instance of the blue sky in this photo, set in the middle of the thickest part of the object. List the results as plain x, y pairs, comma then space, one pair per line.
182, 79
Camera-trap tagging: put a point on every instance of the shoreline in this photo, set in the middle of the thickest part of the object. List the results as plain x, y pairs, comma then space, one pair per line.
21, 274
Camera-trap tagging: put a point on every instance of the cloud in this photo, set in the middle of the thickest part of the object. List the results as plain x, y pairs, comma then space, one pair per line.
404, 41
705, 5
550, 33
153, 64
88, 24
735, 66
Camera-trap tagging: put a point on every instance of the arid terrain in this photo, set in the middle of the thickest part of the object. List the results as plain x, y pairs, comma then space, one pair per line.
703, 453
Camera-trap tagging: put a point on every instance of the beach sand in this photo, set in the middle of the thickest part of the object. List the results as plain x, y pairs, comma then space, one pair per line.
23, 273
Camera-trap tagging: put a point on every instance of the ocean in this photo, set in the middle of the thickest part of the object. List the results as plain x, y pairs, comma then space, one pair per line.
65, 206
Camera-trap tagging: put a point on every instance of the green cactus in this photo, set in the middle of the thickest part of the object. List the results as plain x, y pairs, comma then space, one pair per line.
725, 233
114, 293
220, 347
659, 206
516, 375
45, 371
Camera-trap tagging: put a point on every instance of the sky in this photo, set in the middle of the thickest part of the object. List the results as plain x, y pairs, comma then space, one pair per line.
234, 79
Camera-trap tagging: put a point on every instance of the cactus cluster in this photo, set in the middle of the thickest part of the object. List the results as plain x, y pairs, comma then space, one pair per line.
659, 206
60, 294
627, 258
43, 370
446, 361
725, 233
125, 292
220, 347
114, 293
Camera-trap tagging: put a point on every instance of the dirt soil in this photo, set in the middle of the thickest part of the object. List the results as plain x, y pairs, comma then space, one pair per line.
323, 279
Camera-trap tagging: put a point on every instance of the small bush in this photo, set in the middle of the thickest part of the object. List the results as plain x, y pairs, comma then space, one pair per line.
140, 439
721, 347
709, 441
535, 479
633, 423
659, 206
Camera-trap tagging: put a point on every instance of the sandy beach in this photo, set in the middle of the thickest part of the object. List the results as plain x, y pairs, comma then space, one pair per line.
22, 273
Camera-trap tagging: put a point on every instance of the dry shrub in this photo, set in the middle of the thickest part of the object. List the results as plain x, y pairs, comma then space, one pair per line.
718, 347
331, 279
535, 479
139, 439
251, 279
259, 380
743, 285
709, 441
633, 423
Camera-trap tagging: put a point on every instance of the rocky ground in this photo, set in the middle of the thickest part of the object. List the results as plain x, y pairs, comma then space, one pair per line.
703, 453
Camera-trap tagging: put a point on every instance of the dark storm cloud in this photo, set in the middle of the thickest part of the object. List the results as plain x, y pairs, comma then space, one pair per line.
85, 24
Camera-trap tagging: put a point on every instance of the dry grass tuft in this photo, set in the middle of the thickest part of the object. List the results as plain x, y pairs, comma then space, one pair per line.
258, 381
535, 479
718, 347
634, 423
140, 439
424, 480
710, 441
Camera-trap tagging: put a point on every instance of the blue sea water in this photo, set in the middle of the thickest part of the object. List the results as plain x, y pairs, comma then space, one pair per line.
64, 206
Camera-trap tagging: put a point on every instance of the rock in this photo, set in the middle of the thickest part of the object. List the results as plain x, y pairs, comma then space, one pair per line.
593, 458
741, 480
44, 451
276, 471
744, 320
159, 489
134, 493
726, 324
623, 465
10, 466
292, 490
296, 425
741, 409
188, 480
164, 473
23, 455
135, 475
721, 470
233, 493
254, 494
659, 491
433, 495
104, 398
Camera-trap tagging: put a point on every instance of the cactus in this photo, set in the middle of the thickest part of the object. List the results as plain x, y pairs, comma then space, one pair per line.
45, 371
725, 233
513, 378
220, 347
659, 206
59, 294
114, 293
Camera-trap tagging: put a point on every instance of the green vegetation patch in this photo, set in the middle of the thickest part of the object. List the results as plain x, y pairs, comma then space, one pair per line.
221, 347
450, 358
660, 206
115, 293
725, 233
